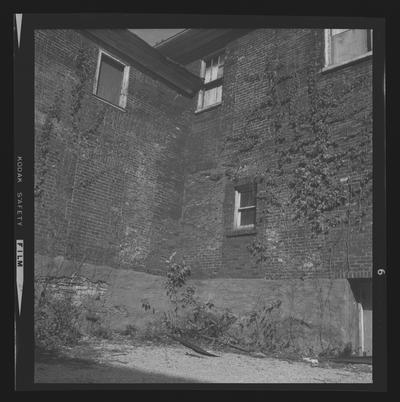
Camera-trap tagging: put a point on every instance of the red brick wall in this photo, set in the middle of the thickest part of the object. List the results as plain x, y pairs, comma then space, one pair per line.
117, 200
223, 142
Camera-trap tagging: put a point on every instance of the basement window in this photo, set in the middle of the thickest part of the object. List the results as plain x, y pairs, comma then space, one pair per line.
212, 71
111, 83
345, 45
245, 207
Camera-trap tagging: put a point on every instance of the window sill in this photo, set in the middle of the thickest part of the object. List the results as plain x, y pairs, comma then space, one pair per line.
337, 66
109, 103
242, 232
215, 105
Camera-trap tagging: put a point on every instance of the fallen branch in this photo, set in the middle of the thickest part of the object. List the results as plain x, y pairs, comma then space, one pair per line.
226, 343
239, 348
191, 354
192, 346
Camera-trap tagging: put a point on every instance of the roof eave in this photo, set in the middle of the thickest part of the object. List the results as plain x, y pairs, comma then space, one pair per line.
145, 58
193, 44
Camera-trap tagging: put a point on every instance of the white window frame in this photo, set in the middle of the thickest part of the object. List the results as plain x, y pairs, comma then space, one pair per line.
124, 83
328, 51
217, 81
238, 209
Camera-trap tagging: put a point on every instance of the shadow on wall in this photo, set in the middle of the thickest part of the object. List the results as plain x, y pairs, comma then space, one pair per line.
362, 291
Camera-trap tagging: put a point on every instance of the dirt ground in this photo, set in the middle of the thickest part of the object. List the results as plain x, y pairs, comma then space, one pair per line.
124, 361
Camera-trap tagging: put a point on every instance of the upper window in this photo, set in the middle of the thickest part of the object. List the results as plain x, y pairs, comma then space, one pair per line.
245, 206
111, 83
212, 70
343, 45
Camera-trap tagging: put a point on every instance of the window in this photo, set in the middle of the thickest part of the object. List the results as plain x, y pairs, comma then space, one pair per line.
212, 70
111, 83
245, 206
343, 45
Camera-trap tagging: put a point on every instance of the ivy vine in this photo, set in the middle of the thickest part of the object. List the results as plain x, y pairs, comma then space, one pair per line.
317, 179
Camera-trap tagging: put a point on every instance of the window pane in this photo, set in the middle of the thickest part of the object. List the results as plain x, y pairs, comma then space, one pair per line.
210, 97
248, 217
207, 77
214, 72
110, 80
213, 69
219, 94
338, 31
220, 71
247, 198
200, 101
203, 69
369, 40
207, 98
349, 44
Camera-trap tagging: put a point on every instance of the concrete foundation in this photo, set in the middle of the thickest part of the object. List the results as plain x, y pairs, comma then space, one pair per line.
326, 306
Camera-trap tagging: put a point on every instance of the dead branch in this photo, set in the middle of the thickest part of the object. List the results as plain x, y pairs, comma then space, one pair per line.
192, 346
226, 343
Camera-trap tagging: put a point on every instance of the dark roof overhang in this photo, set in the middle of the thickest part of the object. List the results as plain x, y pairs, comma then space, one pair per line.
135, 51
193, 44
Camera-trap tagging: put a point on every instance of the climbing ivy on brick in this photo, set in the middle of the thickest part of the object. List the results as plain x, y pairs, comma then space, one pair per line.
317, 180
73, 128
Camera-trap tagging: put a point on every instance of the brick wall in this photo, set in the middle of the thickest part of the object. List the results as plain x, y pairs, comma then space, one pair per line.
236, 141
111, 187
125, 189
159, 177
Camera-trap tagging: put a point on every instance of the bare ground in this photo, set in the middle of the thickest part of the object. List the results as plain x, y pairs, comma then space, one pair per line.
122, 361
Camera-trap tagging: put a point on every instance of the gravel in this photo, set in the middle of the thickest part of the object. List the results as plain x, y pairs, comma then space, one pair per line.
124, 362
